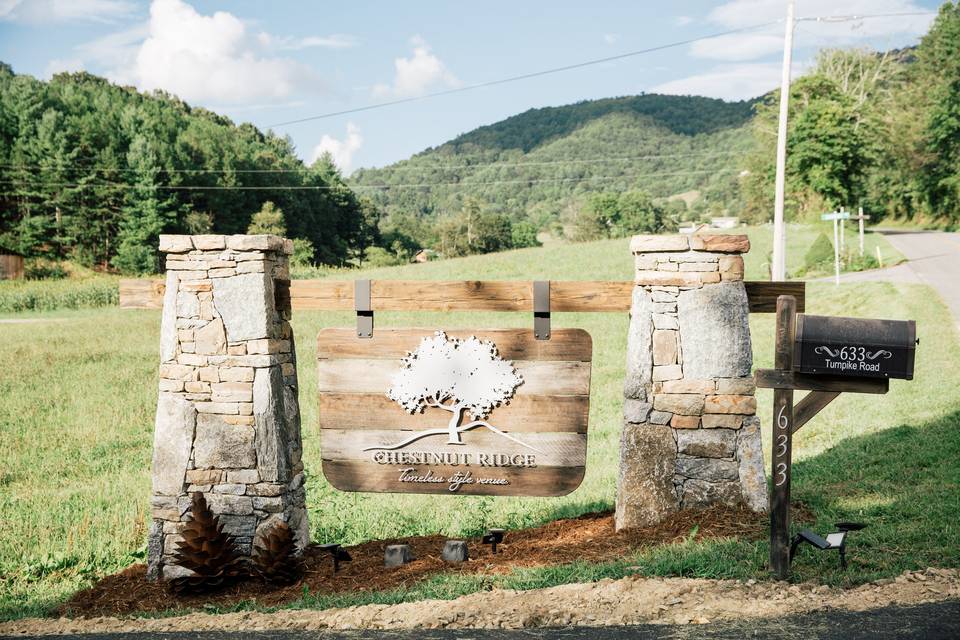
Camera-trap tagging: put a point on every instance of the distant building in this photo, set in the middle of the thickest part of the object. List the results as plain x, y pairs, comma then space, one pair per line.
425, 255
11, 265
724, 222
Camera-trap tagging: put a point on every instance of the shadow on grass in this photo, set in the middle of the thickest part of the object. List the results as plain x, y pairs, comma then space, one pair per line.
904, 483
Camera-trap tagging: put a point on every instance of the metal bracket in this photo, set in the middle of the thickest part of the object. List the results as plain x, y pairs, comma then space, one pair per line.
361, 302
541, 309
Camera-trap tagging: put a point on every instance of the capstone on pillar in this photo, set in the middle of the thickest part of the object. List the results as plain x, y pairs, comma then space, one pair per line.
691, 437
228, 418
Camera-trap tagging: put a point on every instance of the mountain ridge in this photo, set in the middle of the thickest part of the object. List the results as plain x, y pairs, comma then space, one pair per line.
545, 157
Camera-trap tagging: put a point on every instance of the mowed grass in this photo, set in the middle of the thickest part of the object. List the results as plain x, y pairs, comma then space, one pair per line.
608, 259
78, 392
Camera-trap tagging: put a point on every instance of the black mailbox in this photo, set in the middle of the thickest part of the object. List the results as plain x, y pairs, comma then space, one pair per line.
858, 347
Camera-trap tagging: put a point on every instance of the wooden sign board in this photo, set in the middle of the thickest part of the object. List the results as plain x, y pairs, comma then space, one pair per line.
484, 412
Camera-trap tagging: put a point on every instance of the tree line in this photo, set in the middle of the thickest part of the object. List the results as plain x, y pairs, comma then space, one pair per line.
541, 169
94, 172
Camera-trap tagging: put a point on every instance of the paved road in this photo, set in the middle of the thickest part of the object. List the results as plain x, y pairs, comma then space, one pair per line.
927, 622
934, 260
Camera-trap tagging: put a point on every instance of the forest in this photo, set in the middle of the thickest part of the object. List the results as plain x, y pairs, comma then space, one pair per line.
542, 167
93, 172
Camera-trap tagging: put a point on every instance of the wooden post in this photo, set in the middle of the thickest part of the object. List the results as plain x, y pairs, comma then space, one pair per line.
836, 251
860, 221
843, 224
782, 441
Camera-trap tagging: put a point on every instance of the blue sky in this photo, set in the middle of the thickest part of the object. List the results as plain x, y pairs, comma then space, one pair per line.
270, 62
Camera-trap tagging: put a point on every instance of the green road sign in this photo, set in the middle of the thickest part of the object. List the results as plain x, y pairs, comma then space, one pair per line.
836, 215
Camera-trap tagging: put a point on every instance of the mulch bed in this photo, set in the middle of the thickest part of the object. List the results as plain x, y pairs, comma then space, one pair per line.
589, 537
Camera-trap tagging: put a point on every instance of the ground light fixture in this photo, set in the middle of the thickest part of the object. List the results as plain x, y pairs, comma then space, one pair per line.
836, 540
338, 553
493, 537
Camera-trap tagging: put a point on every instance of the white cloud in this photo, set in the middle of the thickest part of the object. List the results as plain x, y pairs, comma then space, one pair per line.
247, 108
730, 82
418, 73
682, 21
332, 41
206, 58
340, 150
755, 45
58, 65
611, 38
47, 11
737, 47
115, 50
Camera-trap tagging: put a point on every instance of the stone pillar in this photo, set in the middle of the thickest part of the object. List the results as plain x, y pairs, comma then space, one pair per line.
691, 437
228, 418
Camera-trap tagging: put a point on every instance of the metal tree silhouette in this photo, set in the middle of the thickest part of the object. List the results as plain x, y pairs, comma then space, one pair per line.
455, 375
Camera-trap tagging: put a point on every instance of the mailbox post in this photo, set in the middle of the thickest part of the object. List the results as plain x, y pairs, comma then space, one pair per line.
825, 356
782, 440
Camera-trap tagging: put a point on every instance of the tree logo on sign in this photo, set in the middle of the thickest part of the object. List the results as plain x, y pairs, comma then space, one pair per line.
458, 376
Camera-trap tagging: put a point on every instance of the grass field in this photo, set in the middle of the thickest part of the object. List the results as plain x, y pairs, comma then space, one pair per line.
604, 259
51, 295
78, 392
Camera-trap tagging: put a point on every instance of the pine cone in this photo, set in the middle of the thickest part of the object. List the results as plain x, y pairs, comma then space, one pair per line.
275, 558
207, 551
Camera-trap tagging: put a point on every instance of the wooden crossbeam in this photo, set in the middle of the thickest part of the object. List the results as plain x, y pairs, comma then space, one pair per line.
465, 295
776, 379
812, 404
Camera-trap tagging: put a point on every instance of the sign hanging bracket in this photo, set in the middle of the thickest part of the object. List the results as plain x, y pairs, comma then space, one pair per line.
541, 309
361, 302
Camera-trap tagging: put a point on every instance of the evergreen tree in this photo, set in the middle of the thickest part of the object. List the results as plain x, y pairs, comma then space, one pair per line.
938, 62
268, 220
95, 172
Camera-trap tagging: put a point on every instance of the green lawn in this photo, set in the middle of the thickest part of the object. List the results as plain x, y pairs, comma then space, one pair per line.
78, 392
50, 295
606, 259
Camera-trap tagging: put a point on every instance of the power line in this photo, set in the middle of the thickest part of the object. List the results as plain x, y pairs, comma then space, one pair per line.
478, 165
580, 65
822, 19
424, 185
525, 76
855, 17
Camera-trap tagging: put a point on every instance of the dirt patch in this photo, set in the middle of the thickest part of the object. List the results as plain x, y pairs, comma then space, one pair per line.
629, 601
590, 537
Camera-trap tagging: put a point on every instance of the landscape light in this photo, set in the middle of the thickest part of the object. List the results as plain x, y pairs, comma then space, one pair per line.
493, 538
338, 553
836, 540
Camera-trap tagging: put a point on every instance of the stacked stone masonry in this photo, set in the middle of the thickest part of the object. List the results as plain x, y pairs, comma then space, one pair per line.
691, 437
228, 418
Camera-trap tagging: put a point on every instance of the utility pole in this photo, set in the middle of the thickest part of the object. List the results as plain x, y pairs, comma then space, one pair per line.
843, 240
860, 219
779, 234
836, 250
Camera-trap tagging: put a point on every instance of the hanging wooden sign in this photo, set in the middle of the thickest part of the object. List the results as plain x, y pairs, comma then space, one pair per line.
493, 412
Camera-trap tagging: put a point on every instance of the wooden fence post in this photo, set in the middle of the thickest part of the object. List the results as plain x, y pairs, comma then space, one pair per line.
782, 441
